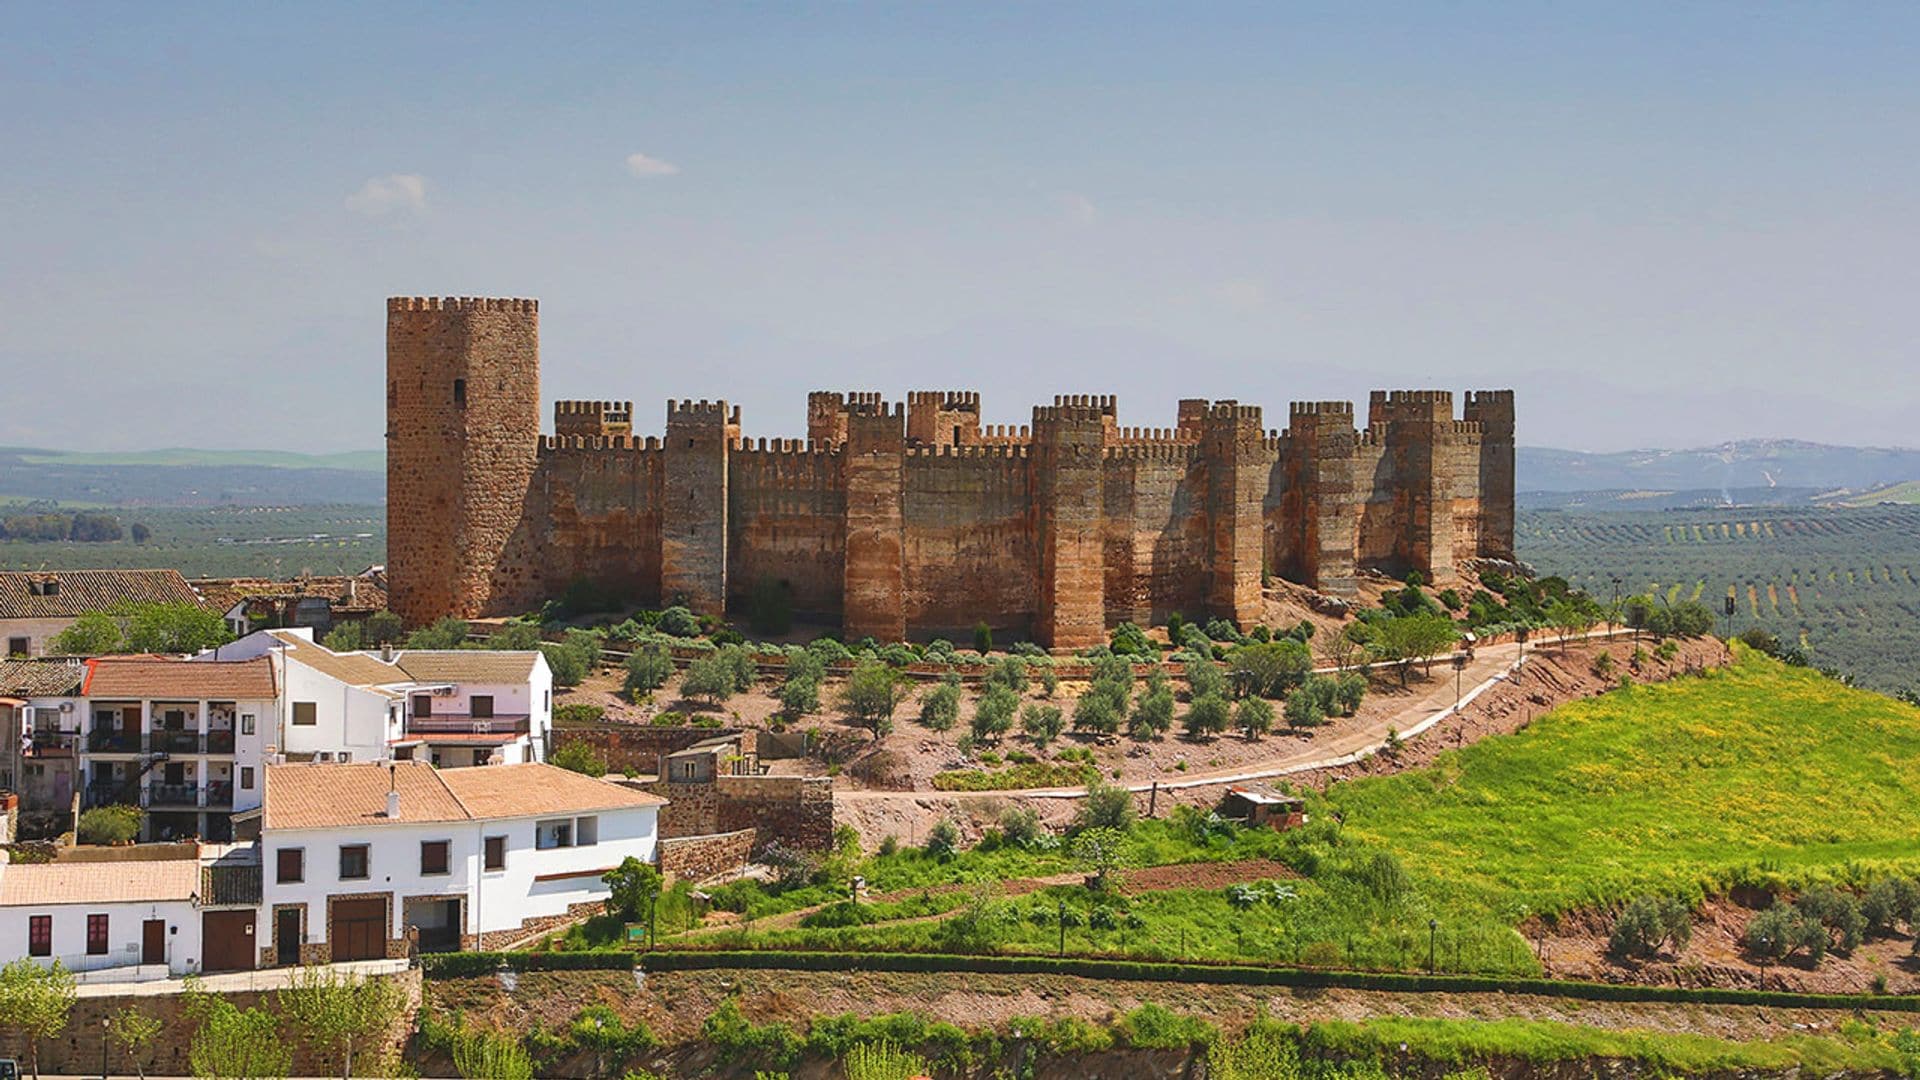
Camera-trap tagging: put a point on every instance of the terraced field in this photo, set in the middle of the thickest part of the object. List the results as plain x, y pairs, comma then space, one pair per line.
1843, 583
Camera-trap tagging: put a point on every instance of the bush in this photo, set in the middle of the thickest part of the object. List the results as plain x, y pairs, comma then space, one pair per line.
578, 757
940, 708
1648, 923
1105, 806
1011, 673
993, 713
1130, 640
1836, 912
1205, 677
569, 666
1020, 825
648, 669
108, 825
677, 621
1097, 711
943, 840
1156, 1027
710, 677
982, 638
1781, 931
578, 712
1254, 716
1348, 692
1269, 670
1888, 903
871, 695
1208, 715
1153, 712
1042, 723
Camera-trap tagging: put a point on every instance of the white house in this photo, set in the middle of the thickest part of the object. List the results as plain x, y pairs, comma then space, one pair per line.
136, 917
184, 741
452, 707
36, 605
361, 861
40, 723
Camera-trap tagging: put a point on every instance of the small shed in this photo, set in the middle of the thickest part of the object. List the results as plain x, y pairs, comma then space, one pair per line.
1258, 805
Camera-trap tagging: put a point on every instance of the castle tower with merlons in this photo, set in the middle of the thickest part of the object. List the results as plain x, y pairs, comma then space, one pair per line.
909, 520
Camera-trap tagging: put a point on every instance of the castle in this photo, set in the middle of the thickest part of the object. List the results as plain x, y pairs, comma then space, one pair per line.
915, 521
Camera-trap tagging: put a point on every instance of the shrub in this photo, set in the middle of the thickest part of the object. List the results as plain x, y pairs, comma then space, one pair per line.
1042, 723
578, 757
1307, 705
648, 669
1020, 825
884, 1061
1648, 923
1156, 1027
1384, 878
1011, 673
993, 713
940, 708
108, 825
1130, 640
1208, 715
1105, 806
1205, 677
1269, 670
678, 622
871, 695
1782, 930
1153, 712
578, 712
1889, 902
569, 666
1348, 691
710, 677
982, 638
1254, 716
1837, 912
1097, 711
943, 840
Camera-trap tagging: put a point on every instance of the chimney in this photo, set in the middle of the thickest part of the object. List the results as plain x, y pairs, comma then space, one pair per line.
393, 794
386, 652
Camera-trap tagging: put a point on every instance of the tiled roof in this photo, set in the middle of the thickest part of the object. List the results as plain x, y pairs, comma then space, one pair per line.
325, 795
352, 668
507, 791
467, 665
321, 796
82, 591
186, 680
47, 884
342, 593
40, 678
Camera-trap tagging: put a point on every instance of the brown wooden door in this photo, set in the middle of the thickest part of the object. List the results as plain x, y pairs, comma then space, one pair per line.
358, 930
153, 941
286, 935
227, 941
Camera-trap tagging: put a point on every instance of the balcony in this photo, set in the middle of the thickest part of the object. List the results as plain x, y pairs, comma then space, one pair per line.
220, 741
107, 794
465, 724
53, 742
159, 795
172, 741
112, 741
220, 794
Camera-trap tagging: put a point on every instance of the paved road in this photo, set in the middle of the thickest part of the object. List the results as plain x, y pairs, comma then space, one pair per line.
1434, 702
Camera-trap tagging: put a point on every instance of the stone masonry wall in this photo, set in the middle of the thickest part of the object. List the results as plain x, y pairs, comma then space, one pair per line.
697, 858
911, 521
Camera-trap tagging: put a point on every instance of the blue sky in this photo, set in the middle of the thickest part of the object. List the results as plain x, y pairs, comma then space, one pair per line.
1663, 224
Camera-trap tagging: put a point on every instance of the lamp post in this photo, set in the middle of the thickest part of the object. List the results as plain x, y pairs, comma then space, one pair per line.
1614, 611
1520, 635
1063, 928
1433, 936
106, 1028
1459, 665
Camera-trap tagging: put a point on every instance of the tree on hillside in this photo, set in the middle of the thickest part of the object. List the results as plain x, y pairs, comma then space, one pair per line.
871, 695
993, 713
1410, 638
709, 677
230, 1043
133, 1031
940, 708
1648, 923
339, 1014
648, 669
1099, 852
1042, 723
1269, 670
631, 886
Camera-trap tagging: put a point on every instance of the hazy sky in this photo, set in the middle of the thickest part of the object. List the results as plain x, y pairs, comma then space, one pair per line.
1664, 224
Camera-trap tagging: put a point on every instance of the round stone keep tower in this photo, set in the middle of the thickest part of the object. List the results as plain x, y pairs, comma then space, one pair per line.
463, 435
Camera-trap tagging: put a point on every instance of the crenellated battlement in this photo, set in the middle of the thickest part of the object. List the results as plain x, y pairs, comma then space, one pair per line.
593, 417
1331, 409
1152, 451
978, 451
593, 408
702, 412
948, 400
1233, 410
1069, 414
876, 408
1005, 433
553, 444
459, 303
1128, 436
1101, 403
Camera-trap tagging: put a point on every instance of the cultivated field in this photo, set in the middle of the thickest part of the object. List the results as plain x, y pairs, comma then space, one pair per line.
261, 541
1843, 584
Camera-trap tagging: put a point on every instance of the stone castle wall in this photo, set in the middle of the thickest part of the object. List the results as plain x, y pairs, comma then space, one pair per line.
910, 520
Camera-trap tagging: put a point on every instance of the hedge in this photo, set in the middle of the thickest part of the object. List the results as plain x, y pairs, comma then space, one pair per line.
1152, 971
462, 965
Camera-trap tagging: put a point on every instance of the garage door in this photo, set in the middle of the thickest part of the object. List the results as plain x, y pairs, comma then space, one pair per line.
358, 930
226, 942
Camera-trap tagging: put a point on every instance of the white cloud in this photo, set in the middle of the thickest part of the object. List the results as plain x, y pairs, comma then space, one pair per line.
383, 195
1078, 208
646, 167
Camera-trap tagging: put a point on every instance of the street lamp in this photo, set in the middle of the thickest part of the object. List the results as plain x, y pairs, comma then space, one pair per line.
1459, 665
1614, 611
106, 1028
1520, 635
1433, 935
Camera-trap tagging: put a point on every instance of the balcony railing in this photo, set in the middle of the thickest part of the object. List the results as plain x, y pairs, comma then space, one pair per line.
220, 793
465, 724
113, 742
173, 795
220, 741
108, 794
174, 742
47, 742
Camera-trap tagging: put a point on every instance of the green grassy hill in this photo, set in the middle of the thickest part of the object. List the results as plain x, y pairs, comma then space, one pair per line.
352, 461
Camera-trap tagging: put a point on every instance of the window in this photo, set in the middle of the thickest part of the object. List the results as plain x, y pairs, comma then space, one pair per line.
246, 778
496, 853
353, 862
17, 646
586, 831
548, 707
553, 834
290, 866
96, 935
305, 713
423, 704
480, 706
174, 719
246, 723
40, 935
433, 856
460, 392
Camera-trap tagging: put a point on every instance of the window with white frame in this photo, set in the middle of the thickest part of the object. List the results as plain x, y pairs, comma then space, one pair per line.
553, 834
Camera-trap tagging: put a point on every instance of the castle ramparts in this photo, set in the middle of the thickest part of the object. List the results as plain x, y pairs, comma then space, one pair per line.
909, 519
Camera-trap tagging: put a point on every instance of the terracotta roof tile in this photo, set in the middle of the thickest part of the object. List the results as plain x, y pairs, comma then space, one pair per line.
46, 884
352, 668
343, 593
186, 680
466, 665
82, 591
40, 677
320, 796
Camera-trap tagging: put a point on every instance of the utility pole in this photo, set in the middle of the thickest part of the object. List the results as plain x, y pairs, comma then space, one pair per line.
1433, 936
1063, 928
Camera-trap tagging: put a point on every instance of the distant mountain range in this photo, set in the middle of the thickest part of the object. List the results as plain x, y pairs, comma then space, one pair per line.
1748, 471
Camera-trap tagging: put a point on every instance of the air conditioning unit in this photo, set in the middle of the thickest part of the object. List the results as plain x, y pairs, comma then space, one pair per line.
443, 691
